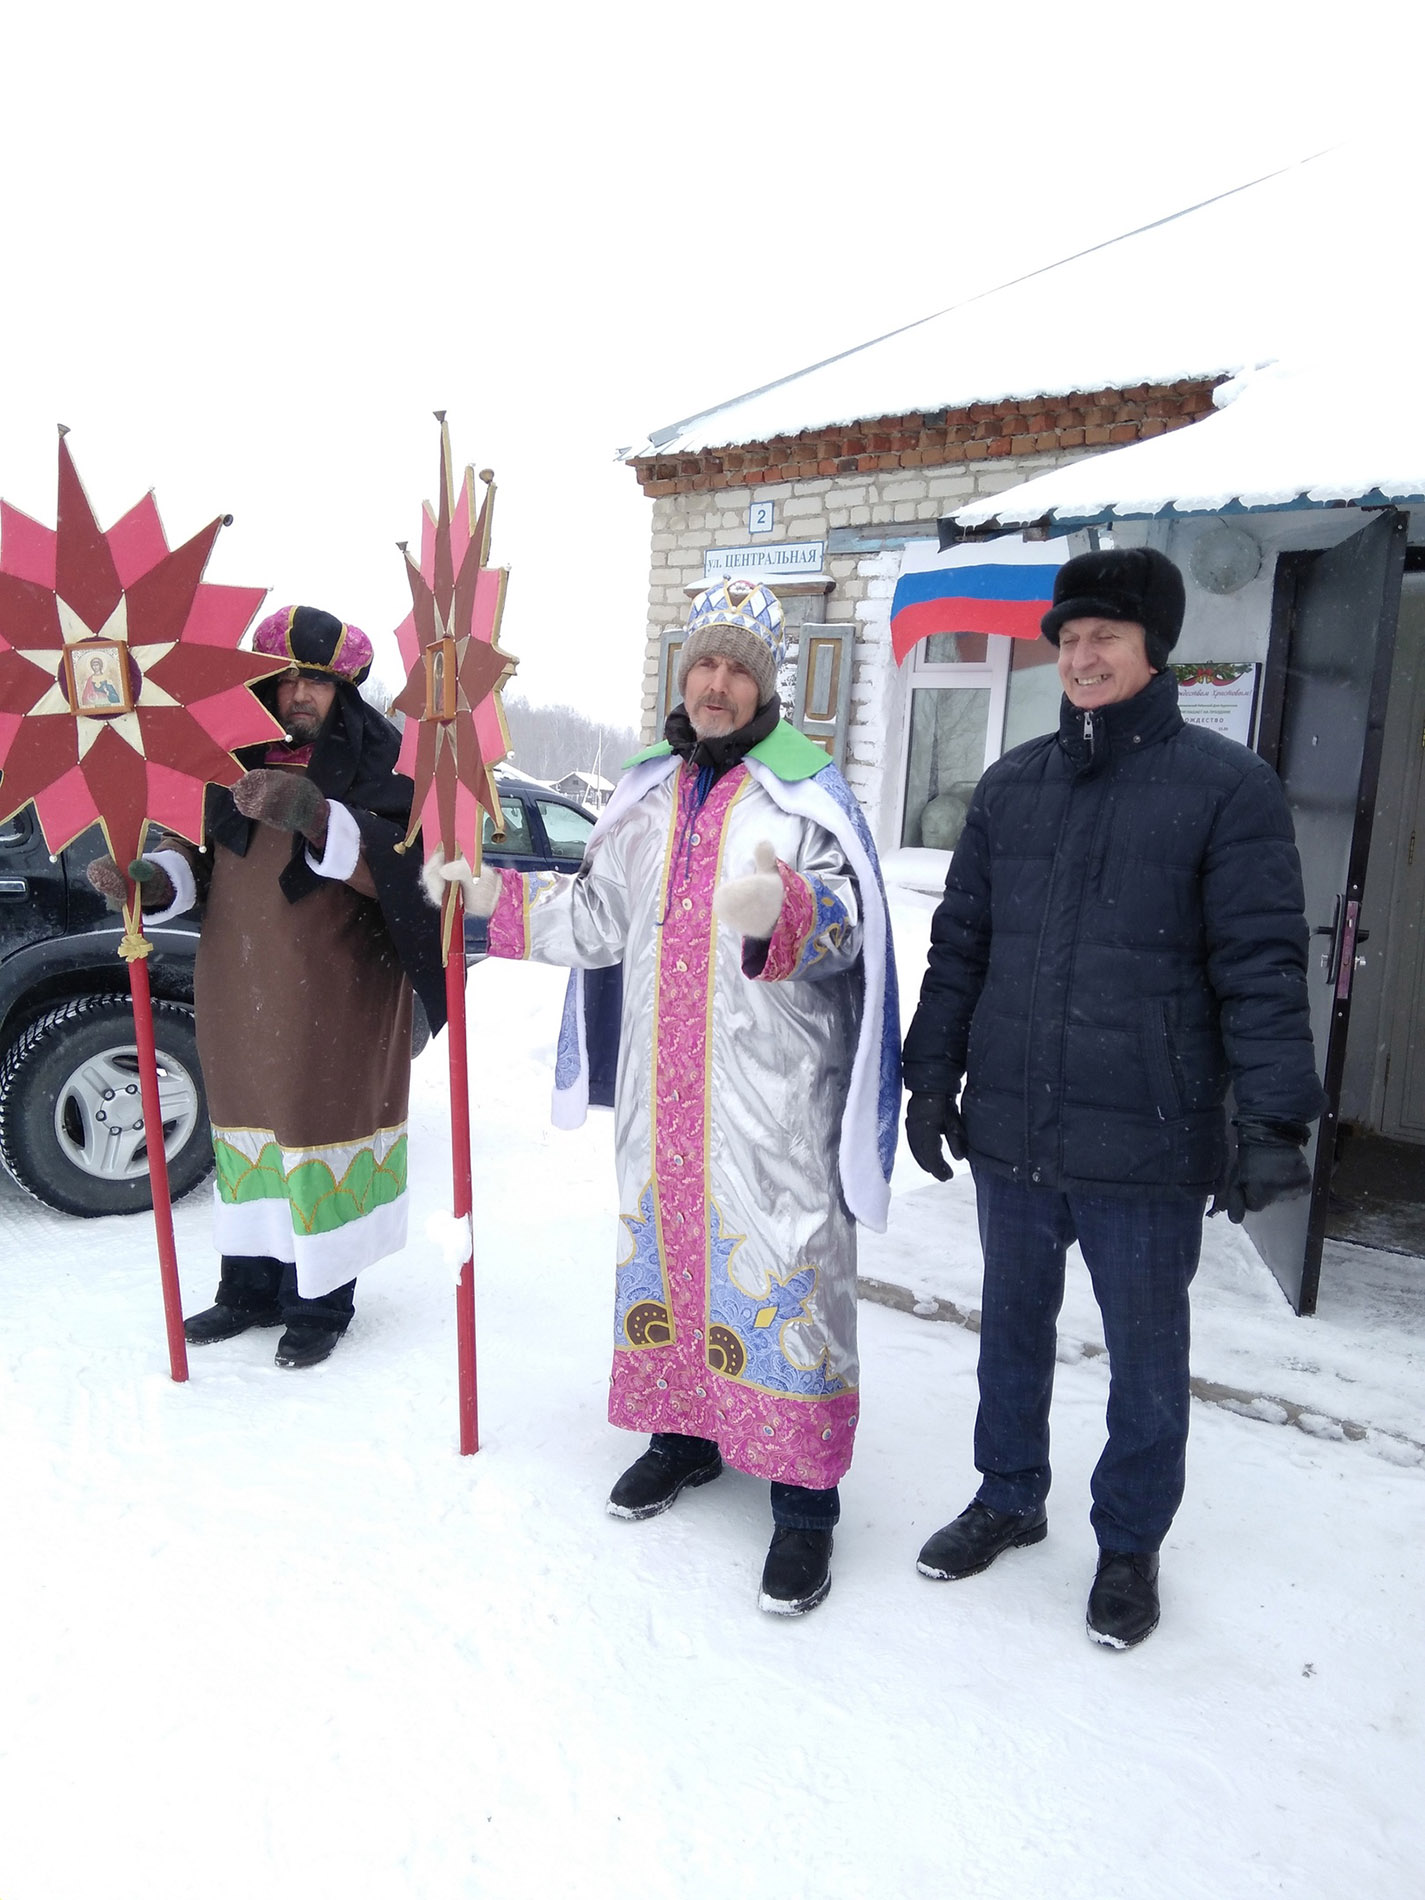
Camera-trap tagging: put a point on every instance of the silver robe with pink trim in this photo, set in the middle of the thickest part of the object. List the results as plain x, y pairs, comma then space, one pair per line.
756, 1099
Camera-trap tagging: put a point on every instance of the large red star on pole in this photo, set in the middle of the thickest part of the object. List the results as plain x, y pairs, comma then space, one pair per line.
122, 693
455, 725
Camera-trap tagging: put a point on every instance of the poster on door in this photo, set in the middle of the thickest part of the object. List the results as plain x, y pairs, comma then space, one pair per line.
1221, 695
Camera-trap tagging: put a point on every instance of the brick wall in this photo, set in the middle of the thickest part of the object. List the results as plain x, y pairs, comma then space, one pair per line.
1037, 425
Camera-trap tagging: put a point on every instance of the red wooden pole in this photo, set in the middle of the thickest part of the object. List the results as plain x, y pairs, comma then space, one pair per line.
158, 1167
461, 1181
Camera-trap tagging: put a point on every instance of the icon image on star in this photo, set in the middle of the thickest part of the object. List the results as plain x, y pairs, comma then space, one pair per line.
98, 678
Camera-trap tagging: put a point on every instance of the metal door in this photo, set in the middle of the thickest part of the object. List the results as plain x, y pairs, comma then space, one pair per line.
1403, 1000
1335, 619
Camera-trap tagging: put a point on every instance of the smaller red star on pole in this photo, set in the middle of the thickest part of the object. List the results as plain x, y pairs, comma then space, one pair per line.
455, 730
455, 733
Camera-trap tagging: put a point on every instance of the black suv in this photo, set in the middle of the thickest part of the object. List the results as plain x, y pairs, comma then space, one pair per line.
71, 1118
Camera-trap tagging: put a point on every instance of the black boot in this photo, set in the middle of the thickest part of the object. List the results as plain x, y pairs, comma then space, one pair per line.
313, 1325
797, 1573
652, 1483
226, 1322
977, 1536
307, 1345
249, 1294
1123, 1603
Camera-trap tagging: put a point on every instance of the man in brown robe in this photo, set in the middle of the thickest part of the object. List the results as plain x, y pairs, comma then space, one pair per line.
314, 930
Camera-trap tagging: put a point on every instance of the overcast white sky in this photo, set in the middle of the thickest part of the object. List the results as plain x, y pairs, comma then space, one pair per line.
248, 250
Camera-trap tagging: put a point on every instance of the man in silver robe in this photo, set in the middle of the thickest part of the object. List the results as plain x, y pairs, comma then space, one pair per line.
734, 878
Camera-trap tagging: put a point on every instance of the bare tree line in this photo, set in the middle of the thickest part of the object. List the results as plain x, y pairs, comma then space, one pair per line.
549, 741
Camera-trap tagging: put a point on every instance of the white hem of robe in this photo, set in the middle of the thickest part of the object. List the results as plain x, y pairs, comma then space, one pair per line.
323, 1261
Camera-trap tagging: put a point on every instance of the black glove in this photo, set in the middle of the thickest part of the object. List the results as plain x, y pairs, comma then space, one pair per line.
1269, 1167
155, 885
928, 1119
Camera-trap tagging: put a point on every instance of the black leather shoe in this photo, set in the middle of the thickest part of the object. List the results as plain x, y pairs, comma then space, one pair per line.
652, 1483
797, 1573
1123, 1603
226, 1322
977, 1536
306, 1345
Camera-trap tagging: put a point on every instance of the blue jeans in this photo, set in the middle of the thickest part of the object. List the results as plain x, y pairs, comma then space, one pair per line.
1141, 1255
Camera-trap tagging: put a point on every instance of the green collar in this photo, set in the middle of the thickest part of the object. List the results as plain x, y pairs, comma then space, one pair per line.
788, 754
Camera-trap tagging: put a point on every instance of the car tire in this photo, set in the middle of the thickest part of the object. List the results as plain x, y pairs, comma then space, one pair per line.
71, 1079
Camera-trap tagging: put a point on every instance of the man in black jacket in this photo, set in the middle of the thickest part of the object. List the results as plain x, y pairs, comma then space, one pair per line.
1121, 938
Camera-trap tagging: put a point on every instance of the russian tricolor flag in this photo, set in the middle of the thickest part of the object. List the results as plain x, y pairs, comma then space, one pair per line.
1001, 586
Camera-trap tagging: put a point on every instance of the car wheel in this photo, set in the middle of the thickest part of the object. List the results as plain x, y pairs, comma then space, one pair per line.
71, 1114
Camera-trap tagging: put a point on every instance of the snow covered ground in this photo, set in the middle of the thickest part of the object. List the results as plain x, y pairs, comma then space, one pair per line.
267, 1634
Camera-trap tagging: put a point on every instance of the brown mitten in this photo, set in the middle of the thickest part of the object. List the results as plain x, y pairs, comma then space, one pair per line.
155, 885
287, 800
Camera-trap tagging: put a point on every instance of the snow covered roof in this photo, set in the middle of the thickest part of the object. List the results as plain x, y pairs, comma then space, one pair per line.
506, 770
1346, 424
591, 779
1244, 279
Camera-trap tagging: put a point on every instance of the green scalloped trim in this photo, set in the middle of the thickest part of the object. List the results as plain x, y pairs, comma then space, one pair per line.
241, 1180
320, 1203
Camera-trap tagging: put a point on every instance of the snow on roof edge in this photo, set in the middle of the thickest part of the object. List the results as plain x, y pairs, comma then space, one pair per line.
671, 439
1157, 378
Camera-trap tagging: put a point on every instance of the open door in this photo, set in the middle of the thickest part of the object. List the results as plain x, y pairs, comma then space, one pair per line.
1334, 627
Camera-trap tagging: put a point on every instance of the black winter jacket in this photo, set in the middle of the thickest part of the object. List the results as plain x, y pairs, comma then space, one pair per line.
1121, 937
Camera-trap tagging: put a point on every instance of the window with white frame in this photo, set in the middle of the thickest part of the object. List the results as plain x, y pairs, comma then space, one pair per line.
972, 696
953, 725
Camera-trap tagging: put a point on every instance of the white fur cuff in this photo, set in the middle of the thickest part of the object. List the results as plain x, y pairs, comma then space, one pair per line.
180, 876
343, 847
